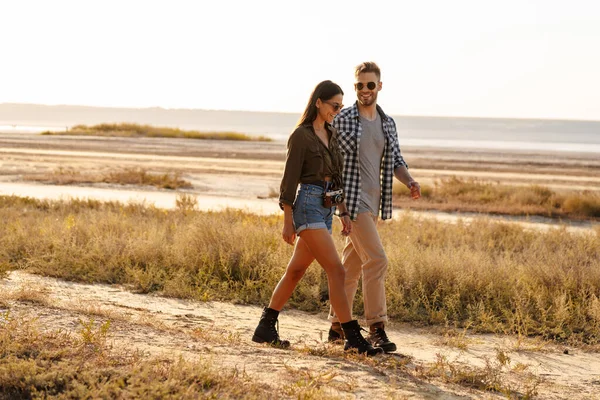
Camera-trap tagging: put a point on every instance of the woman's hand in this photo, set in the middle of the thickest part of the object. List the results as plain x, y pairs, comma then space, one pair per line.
346, 225
288, 233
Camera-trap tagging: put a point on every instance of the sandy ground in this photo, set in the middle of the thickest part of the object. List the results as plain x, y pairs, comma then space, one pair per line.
165, 327
244, 175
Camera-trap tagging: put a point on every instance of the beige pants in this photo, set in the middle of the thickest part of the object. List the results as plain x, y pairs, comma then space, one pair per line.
364, 253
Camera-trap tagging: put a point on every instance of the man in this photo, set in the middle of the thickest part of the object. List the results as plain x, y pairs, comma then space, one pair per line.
369, 141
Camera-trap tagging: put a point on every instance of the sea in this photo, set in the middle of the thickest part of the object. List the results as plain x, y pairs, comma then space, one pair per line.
439, 132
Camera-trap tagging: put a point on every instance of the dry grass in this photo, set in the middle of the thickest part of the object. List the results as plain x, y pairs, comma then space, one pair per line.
33, 294
454, 338
57, 364
94, 310
472, 195
136, 130
128, 176
493, 377
487, 276
315, 384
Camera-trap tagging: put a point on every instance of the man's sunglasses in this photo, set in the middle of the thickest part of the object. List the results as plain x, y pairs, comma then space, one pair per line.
370, 85
336, 106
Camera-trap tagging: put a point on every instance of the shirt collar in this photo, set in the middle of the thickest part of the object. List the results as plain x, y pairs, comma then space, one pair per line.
354, 111
329, 127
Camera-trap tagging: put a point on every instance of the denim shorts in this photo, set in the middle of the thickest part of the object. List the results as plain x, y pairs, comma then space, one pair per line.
309, 212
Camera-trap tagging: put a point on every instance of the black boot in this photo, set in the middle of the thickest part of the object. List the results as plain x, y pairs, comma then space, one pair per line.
355, 340
336, 334
267, 332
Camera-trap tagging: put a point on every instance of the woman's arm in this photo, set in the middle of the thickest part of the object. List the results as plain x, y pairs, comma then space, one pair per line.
292, 172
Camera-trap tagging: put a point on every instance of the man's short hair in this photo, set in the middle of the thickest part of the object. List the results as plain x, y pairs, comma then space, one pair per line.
367, 66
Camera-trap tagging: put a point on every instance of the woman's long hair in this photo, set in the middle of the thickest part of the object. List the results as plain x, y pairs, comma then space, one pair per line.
324, 91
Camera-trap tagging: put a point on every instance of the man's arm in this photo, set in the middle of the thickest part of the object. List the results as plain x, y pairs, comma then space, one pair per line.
401, 173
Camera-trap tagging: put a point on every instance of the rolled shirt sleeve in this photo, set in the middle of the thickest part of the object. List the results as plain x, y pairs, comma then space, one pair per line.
296, 149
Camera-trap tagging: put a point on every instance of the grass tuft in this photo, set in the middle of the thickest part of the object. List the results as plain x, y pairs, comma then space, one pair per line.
128, 176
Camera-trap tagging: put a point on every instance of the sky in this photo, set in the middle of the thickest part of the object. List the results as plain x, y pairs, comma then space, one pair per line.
510, 58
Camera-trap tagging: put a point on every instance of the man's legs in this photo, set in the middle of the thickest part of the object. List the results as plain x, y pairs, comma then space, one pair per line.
366, 240
364, 253
374, 272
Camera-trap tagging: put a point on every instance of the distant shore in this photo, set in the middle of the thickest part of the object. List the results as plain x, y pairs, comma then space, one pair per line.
440, 131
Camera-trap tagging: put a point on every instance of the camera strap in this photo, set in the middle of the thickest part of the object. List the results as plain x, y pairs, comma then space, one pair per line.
335, 192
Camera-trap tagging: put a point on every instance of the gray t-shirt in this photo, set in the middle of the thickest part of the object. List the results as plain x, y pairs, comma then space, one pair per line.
372, 144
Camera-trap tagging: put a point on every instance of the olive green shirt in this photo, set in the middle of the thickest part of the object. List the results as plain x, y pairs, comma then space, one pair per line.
309, 161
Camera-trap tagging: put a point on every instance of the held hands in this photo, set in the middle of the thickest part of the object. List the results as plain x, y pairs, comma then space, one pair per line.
415, 189
346, 222
288, 233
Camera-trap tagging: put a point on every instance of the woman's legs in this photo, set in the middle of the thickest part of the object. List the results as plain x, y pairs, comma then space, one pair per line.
321, 245
267, 330
299, 263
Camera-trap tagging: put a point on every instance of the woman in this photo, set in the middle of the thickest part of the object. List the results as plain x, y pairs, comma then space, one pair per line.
315, 162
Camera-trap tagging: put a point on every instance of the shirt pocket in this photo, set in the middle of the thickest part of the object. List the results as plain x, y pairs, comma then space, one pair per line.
314, 159
347, 143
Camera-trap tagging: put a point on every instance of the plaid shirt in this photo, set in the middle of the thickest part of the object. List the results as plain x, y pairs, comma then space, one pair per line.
347, 122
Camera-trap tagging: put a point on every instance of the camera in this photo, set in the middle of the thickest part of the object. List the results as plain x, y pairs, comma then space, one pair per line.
333, 198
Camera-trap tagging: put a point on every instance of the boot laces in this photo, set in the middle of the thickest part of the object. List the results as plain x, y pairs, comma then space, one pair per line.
381, 335
275, 329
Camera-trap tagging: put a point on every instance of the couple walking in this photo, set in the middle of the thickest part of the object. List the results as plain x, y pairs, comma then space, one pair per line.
344, 159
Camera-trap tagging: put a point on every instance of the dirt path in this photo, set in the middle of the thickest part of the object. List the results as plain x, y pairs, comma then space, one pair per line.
166, 327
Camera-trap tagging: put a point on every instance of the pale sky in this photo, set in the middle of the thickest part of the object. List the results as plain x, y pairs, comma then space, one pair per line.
510, 58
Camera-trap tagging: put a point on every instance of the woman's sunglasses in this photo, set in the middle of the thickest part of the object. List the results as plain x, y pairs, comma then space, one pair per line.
336, 106
360, 85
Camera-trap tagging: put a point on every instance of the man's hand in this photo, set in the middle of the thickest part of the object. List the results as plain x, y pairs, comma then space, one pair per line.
415, 189
401, 173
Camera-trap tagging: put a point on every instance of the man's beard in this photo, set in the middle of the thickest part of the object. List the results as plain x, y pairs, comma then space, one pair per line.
368, 102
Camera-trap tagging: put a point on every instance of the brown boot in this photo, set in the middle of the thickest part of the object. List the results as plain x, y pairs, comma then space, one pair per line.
378, 338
